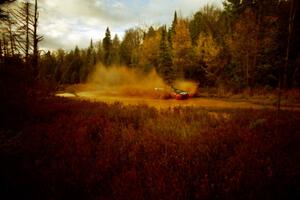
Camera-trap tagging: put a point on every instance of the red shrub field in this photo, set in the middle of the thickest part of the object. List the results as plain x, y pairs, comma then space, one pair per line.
67, 149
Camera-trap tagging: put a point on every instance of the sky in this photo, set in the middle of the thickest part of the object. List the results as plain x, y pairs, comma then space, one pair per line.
67, 23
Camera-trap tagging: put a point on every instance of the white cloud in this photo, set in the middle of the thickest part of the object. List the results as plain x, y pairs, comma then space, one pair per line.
67, 23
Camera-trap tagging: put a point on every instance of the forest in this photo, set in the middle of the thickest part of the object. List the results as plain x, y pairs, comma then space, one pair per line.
245, 45
236, 137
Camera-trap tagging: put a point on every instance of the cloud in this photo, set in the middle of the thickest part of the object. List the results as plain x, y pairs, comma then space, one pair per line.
67, 23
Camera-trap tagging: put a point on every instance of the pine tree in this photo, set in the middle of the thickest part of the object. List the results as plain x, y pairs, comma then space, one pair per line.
151, 32
116, 44
107, 48
75, 67
172, 31
99, 52
165, 68
90, 59
91, 54
174, 23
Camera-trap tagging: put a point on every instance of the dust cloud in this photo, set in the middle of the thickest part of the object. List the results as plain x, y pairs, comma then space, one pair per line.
123, 81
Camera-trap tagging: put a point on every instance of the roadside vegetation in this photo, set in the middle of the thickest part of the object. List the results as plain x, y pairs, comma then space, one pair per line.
64, 149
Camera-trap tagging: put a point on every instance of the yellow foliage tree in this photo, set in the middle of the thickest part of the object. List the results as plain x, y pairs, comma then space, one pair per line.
242, 45
182, 48
207, 52
149, 50
207, 49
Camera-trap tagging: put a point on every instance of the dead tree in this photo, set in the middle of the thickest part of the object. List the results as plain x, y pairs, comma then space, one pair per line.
23, 15
10, 31
27, 16
18, 31
3, 14
36, 40
7, 30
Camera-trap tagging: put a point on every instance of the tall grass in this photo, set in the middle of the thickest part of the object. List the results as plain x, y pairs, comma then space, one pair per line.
68, 149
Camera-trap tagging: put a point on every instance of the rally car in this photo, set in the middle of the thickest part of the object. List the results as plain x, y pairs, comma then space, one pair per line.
180, 94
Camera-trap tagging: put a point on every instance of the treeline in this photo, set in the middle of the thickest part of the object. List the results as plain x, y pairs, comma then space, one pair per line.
247, 44
71, 67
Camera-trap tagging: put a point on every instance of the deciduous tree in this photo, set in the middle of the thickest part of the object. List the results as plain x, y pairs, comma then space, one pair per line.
242, 44
130, 47
149, 49
182, 48
207, 52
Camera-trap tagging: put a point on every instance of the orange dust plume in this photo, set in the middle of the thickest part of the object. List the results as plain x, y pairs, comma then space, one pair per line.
123, 81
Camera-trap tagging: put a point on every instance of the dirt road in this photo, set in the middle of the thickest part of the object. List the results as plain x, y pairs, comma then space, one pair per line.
161, 103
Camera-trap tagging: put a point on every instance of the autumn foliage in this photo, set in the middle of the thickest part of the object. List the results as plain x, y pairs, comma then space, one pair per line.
68, 149
59, 148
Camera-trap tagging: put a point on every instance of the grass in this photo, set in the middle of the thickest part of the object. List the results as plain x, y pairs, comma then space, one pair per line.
67, 149
289, 97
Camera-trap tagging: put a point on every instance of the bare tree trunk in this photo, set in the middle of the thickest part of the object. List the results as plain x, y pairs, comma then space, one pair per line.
11, 38
27, 32
35, 40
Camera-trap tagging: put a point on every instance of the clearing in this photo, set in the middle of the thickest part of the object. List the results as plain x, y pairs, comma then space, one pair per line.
205, 102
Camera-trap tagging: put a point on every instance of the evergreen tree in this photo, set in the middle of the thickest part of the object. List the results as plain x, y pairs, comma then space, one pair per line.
107, 48
99, 52
91, 54
49, 67
174, 23
116, 44
73, 74
61, 64
171, 31
89, 62
91, 47
165, 68
151, 32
